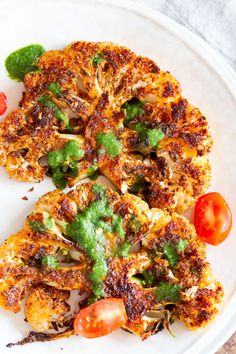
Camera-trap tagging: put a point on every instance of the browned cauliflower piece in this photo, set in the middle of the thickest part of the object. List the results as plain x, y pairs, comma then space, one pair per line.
46, 308
107, 245
126, 115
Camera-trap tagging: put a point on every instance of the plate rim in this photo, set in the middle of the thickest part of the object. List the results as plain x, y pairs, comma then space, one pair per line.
227, 75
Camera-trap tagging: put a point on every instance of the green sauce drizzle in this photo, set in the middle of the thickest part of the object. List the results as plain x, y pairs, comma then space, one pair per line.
93, 172
110, 142
133, 109
171, 254
168, 292
181, 245
23, 61
152, 136
149, 278
48, 102
63, 163
55, 89
171, 251
42, 226
87, 230
97, 59
49, 261
117, 226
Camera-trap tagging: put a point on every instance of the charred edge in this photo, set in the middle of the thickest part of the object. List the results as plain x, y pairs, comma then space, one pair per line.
40, 337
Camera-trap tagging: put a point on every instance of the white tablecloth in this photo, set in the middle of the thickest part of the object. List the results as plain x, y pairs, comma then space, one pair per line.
213, 20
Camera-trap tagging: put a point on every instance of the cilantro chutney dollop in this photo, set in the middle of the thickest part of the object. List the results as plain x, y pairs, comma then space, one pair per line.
89, 230
23, 60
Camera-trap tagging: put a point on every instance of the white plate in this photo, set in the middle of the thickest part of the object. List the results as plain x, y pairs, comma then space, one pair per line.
206, 81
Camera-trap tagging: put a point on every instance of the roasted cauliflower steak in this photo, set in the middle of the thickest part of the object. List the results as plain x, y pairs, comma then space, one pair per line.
127, 117
102, 244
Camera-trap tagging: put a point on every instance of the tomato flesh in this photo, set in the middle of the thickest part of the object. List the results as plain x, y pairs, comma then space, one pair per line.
212, 218
3, 103
100, 318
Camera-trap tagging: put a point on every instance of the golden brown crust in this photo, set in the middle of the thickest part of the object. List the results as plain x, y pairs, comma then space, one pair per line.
46, 308
174, 174
200, 310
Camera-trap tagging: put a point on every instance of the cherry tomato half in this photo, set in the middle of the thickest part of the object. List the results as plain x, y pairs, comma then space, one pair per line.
100, 318
212, 218
3, 103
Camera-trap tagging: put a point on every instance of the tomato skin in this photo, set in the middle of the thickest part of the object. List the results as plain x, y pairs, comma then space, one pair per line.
3, 103
212, 218
100, 318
